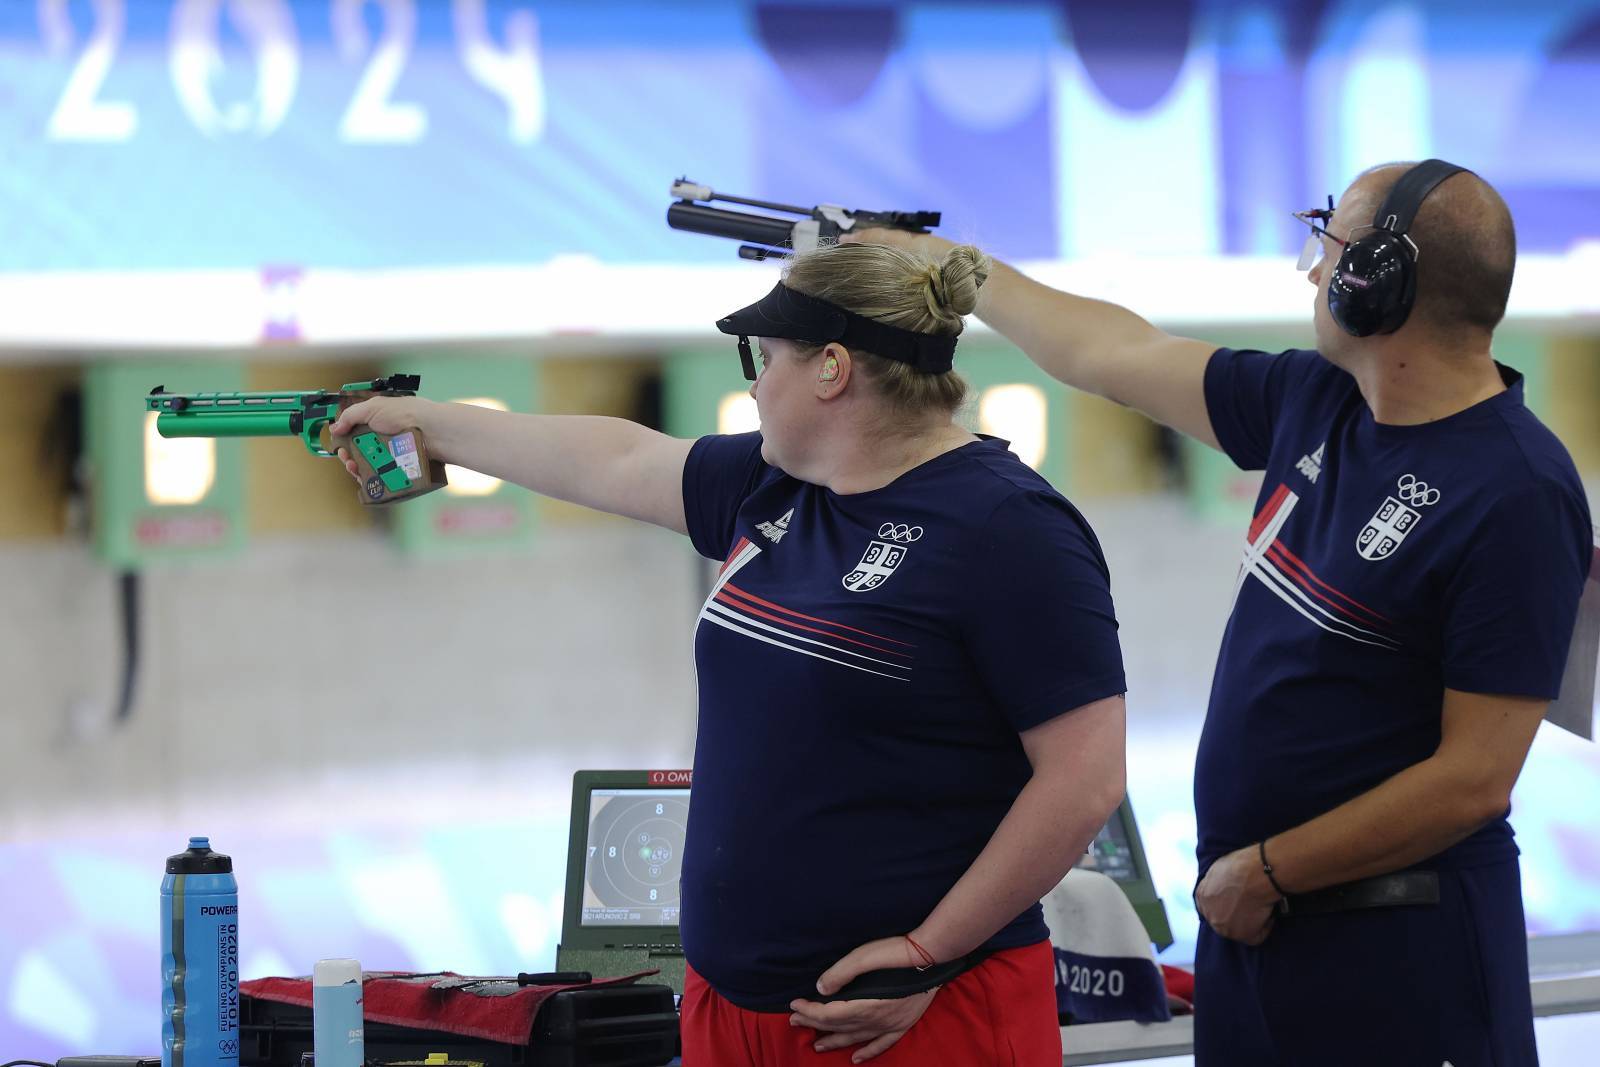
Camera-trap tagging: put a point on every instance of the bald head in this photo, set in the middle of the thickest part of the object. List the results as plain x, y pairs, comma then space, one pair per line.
1466, 247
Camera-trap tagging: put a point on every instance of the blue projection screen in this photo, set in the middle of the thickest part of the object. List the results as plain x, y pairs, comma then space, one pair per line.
368, 134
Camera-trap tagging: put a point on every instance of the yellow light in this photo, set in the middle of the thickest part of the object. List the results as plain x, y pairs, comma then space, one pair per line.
464, 482
1020, 414
736, 413
177, 470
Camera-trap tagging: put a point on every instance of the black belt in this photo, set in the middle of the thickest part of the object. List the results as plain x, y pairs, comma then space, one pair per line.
892, 983
1384, 891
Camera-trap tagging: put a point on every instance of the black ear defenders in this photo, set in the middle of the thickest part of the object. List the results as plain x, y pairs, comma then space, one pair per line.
1374, 283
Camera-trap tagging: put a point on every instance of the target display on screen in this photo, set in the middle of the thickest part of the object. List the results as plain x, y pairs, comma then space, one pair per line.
1111, 854
634, 856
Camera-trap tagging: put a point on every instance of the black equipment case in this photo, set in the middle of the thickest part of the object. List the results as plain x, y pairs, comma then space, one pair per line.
609, 1026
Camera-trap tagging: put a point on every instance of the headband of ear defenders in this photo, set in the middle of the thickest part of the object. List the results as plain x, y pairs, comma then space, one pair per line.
791, 314
1409, 191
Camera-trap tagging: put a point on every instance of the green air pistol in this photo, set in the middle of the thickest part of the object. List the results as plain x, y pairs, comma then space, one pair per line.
392, 467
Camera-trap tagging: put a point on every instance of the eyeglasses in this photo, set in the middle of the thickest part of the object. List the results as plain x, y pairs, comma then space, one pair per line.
746, 360
1311, 254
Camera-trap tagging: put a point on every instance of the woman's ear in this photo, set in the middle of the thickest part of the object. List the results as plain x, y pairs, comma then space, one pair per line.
833, 371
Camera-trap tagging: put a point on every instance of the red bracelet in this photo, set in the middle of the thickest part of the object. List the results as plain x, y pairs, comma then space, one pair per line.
927, 957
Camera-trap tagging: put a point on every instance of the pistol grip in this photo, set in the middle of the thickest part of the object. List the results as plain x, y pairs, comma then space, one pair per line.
391, 467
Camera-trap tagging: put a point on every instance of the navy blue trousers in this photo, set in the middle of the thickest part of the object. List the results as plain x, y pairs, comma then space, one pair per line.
1383, 987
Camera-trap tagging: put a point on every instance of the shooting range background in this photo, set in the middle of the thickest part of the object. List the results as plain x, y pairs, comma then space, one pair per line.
378, 716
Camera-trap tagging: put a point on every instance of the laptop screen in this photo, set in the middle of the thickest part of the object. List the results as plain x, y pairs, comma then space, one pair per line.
632, 856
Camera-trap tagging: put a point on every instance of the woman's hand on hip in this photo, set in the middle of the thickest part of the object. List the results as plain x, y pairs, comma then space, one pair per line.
873, 1024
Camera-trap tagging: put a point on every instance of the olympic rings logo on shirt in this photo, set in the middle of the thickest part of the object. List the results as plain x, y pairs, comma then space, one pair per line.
1416, 492
901, 532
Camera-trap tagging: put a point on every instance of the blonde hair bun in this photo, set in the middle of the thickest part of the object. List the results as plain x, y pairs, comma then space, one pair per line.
952, 284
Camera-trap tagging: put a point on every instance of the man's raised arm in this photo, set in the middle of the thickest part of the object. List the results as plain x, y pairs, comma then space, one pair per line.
1092, 345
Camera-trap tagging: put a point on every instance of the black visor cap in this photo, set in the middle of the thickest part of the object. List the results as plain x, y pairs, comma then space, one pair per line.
794, 316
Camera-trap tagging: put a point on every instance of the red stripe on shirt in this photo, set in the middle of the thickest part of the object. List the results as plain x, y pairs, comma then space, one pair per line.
1268, 510
738, 548
724, 598
1301, 565
1294, 576
730, 587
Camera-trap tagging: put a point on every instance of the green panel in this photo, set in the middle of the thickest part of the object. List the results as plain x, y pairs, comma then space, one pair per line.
618, 961
445, 522
1153, 914
1218, 491
131, 530
1141, 892
1529, 354
989, 363
696, 380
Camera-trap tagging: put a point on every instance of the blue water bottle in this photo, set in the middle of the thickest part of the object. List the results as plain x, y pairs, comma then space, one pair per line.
199, 959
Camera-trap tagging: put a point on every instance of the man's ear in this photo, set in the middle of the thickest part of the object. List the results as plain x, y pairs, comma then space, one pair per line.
833, 371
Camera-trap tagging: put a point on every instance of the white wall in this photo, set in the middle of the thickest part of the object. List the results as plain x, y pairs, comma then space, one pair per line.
307, 662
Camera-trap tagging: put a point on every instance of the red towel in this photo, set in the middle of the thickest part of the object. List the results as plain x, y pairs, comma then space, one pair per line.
1180, 989
491, 1012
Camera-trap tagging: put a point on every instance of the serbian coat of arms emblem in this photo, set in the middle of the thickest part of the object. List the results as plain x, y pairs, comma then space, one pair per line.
883, 555
1397, 516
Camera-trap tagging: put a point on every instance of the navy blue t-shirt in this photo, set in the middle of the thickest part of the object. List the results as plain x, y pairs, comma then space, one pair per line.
1384, 565
866, 663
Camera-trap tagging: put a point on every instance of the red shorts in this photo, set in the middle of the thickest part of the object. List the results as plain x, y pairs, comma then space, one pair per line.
1002, 1013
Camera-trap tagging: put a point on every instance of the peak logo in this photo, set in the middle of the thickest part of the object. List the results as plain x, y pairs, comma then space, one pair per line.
773, 531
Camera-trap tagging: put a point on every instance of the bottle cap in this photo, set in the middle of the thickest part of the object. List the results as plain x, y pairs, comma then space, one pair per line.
335, 972
199, 859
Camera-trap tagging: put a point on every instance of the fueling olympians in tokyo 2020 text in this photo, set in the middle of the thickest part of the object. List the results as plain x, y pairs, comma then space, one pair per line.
910, 685
1400, 622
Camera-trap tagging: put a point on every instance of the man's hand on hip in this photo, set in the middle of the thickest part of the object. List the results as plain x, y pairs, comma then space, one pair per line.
1236, 898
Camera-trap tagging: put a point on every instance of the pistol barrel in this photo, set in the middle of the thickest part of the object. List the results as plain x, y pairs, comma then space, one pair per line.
740, 225
236, 423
